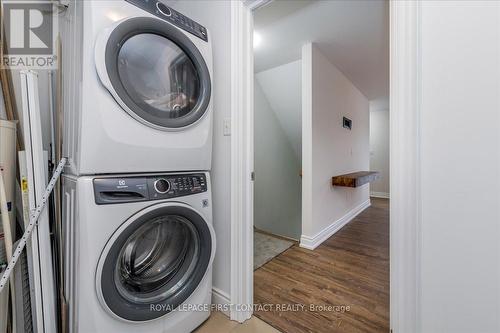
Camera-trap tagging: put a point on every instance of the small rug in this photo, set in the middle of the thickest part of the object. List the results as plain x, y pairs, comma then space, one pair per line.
267, 247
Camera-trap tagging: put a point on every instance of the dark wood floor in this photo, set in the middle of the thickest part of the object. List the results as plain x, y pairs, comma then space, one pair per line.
351, 268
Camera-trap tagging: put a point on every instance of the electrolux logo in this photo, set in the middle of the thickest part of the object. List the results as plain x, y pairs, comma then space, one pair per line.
30, 30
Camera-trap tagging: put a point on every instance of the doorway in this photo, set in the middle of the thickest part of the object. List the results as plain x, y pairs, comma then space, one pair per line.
337, 271
405, 162
277, 159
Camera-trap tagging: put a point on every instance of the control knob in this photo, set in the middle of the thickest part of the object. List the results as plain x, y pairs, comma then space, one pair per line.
162, 8
162, 186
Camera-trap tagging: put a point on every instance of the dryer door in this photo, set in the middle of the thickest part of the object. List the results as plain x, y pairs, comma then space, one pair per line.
155, 72
154, 262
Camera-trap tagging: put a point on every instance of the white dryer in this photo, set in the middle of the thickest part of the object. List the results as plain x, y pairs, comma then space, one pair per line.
139, 252
137, 87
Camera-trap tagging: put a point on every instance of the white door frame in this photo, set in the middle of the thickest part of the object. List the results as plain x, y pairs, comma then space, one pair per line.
405, 162
241, 161
242, 157
405, 233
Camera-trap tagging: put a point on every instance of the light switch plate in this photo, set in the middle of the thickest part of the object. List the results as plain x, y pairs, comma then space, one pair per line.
226, 126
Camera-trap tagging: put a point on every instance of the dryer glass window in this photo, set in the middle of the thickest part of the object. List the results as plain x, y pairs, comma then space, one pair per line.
157, 260
157, 74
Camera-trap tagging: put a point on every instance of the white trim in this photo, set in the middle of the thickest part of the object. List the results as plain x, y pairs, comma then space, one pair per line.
405, 27
219, 297
311, 243
40, 244
307, 135
241, 160
383, 195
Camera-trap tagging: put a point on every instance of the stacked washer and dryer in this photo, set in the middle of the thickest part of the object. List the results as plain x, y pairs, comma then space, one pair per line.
137, 212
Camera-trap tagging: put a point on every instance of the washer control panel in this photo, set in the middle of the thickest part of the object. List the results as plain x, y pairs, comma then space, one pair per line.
159, 9
164, 187
145, 188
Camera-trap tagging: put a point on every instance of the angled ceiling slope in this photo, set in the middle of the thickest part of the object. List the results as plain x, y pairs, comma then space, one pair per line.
282, 87
353, 35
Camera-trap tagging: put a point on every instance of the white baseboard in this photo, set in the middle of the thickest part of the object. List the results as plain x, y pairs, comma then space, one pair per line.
221, 298
384, 195
311, 243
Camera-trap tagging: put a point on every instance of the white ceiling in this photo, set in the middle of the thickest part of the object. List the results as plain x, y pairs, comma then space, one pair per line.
353, 35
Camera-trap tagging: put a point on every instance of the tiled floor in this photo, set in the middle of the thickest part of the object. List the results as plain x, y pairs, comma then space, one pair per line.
266, 247
219, 323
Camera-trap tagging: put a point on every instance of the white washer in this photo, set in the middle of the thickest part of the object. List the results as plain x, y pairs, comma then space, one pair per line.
139, 252
137, 88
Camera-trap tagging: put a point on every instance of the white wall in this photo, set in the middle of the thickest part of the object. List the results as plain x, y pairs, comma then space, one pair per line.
282, 86
216, 16
460, 167
277, 192
379, 151
328, 148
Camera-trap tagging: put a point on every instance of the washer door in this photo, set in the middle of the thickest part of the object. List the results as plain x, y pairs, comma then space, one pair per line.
154, 262
155, 72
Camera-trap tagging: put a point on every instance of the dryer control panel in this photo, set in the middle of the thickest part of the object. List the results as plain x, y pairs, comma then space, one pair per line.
145, 188
159, 9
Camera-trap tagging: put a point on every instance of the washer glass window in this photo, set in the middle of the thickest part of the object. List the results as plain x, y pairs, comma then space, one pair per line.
159, 257
159, 75
157, 260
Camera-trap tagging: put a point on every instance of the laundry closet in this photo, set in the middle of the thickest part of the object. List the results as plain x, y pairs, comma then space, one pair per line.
129, 227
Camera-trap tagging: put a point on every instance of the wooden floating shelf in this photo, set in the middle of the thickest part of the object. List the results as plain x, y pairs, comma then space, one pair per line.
355, 179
